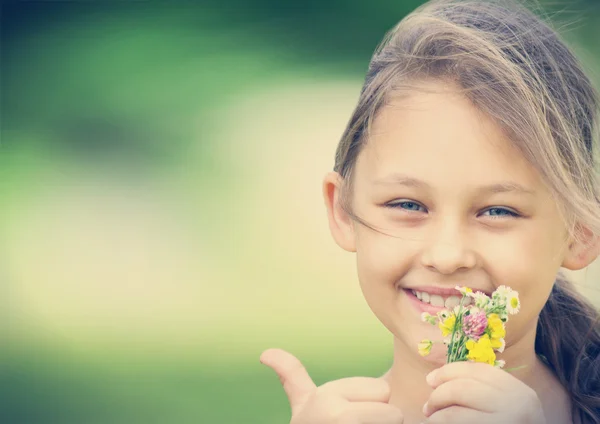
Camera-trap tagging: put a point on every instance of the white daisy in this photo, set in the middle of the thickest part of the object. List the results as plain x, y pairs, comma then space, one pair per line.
503, 291
481, 300
466, 291
513, 305
443, 314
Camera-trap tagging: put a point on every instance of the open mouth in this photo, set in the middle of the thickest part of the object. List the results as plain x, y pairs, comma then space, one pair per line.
433, 303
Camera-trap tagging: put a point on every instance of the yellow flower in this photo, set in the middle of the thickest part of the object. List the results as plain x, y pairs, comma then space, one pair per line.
498, 344
496, 327
447, 325
425, 347
481, 350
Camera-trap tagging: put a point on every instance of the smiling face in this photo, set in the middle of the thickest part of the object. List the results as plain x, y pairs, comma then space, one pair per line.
455, 204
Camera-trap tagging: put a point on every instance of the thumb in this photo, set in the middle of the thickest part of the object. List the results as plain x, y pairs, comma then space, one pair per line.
296, 382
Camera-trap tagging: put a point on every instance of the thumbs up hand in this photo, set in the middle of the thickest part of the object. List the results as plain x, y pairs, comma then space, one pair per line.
355, 400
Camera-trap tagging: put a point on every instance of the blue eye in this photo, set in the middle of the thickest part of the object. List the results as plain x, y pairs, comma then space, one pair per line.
501, 212
408, 205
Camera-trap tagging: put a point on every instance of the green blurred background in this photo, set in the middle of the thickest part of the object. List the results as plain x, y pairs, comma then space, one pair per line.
161, 215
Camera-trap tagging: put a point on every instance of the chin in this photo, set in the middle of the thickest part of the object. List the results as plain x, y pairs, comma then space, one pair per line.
437, 357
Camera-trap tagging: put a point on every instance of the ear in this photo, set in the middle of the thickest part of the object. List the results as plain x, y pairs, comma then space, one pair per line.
340, 223
582, 252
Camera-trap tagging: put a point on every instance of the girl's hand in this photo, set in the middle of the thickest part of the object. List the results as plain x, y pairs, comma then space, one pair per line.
466, 392
356, 400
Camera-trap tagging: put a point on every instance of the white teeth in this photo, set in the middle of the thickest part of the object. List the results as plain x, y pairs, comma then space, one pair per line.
439, 301
451, 302
436, 300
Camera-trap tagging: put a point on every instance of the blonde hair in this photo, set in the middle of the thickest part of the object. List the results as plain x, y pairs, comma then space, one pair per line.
514, 68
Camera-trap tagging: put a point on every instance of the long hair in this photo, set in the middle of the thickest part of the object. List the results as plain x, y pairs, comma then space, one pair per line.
514, 67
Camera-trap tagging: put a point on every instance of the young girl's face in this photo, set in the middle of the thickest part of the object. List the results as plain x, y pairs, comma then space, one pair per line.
458, 206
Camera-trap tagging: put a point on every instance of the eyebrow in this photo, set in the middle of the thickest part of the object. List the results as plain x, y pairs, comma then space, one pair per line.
501, 187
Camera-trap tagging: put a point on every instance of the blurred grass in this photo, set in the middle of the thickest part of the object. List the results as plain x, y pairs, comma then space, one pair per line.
161, 218
61, 386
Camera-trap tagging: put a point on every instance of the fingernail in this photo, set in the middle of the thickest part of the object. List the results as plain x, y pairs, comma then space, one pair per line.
425, 409
430, 377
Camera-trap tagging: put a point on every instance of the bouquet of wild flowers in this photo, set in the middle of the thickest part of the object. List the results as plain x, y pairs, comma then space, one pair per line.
474, 330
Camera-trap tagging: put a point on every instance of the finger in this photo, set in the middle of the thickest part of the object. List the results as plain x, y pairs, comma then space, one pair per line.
464, 392
479, 371
371, 413
294, 378
359, 389
459, 415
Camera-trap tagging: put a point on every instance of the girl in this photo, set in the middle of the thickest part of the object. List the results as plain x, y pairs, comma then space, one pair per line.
469, 161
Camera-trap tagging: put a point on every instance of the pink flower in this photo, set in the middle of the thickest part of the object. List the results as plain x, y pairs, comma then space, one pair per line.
474, 325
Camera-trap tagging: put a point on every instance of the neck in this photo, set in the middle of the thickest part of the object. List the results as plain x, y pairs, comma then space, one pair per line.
409, 390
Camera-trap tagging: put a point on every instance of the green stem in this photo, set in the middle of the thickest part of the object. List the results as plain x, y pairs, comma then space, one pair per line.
451, 356
515, 368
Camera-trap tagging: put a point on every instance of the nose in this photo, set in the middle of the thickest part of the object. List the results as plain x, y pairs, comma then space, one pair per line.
448, 250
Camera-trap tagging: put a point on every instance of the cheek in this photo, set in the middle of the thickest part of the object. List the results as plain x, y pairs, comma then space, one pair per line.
381, 259
528, 265
377, 275
524, 257
381, 262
